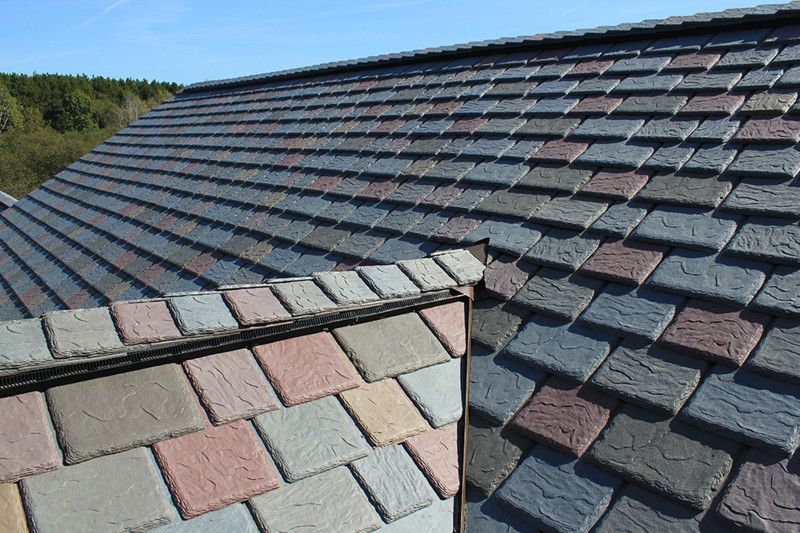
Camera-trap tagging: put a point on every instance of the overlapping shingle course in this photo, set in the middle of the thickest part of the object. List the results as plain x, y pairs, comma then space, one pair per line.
207, 443
638, 188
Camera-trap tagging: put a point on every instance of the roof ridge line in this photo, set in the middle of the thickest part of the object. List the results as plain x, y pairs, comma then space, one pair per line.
698, 21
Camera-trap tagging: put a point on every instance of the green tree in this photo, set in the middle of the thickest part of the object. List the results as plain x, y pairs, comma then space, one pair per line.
74, 112
10, 111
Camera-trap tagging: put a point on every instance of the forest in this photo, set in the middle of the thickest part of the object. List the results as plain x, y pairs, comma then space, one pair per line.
47, 121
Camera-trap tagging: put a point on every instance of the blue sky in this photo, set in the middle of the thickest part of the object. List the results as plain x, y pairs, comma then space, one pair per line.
196, 40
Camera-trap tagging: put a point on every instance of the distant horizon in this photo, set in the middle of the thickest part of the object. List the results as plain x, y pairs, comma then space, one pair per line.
189, 42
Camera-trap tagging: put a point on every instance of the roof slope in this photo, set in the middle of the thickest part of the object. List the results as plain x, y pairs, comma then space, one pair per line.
296, 410
641, 201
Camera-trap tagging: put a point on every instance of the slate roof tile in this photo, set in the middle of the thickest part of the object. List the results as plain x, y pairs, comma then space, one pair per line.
494, 324
22, 343
684, 226
13, 517
624, 262
759, 495
620, 219
777, 353
306, 368
637, 446
709, 276
345, 288
556, 346
393, 483
557, 293
769, 103
232, 518
556, 493
81, 332
560, 151
492, 453
390, 346
91, 420
388, 281
27, 446
565, 249
621, 155
636, 509
384, 412
448, 324
437, 455
197, 468
570, 212
747, 408
765, 197
584, 410
140, 322
767, 162
331, 437
499, 386
201, 313
550, 177
230, 386
123, 489
253, 306
316, 502
462, 266
436, 392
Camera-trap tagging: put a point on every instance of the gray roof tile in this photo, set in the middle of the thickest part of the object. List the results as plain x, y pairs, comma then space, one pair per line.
779, 294
82, 332
620, 219
767, 239
557, 493
564, 249
462, 266
119, 491
561, 348
639, 312
654, 378
748, 408
388, 281
615, 155
685, 190
436, 391
202, 313
765, 197
709, 276
23, 344
330, 437
393, 482
570, 212
499, 386
687, 227
557, 293
492, 453
767, 162
638, 445
778, 353
302, 297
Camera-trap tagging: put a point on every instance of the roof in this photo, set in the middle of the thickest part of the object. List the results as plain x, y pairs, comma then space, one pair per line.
640, 198
6, 200
294, 404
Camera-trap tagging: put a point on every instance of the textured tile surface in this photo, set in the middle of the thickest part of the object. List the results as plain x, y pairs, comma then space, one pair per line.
437, 391
448, 322
436, 452
22, 343
256, 306
307, 367
232, 518
391, 346
92, 419
82, 332
197, 467
558, 493
492, 453
230, 385
118, 492
393, 482
27, 443
140, 322
330, 501
384, 412
331, 437
12, 513
202, 313
673, 459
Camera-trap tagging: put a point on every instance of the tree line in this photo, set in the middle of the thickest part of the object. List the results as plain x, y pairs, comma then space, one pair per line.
47, 121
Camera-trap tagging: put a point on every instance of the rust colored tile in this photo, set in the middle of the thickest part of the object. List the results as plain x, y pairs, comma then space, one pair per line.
698, 61
717, 104
505, 276
455, 229
306, 368
384, 412
716, 331
443, 195
12, 514
595, 66
565, 416
325, 183
140, 322
436, 454
467, 125
256, 306
27, 446
624, 262
616, 185
216, 467
596, 105
446, 108
230, 385
776, 130
389, 126
560, 151
379, 189
448, 322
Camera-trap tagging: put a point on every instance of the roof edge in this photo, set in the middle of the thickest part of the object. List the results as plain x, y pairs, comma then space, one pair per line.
729, 18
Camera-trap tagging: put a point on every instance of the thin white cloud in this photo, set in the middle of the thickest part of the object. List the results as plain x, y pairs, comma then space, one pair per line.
92, 20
